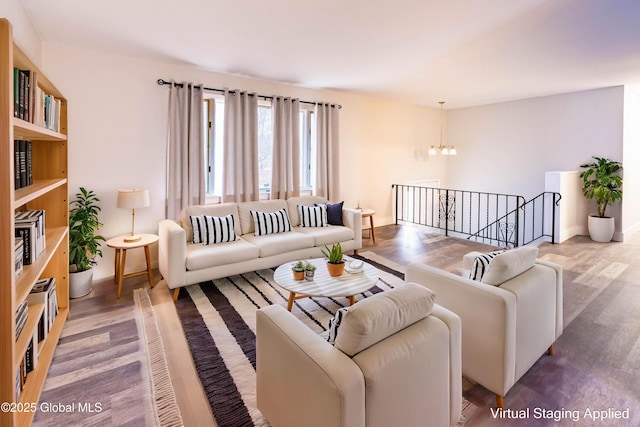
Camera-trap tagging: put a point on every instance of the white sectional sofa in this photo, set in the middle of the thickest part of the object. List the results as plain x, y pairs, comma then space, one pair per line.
184, 263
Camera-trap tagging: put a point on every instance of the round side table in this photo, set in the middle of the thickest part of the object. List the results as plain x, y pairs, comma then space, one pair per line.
121, 247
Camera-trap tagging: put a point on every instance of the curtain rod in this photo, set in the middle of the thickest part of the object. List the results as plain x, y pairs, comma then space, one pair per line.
164, 82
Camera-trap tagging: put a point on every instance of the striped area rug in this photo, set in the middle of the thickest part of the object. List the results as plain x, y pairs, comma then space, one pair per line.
218, 318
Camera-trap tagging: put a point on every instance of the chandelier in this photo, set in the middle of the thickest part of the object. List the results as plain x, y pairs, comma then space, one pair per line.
445, 150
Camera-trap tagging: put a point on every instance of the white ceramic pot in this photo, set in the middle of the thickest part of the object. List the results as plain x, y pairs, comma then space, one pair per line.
80, 283
601, 229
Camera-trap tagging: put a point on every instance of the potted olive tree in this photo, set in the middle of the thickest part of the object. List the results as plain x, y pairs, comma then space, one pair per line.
601, 181
84, 243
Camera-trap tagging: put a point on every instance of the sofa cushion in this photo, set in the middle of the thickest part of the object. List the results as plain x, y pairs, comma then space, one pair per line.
510, 264
274, 244
375, 318
210, 230
327, 235
481, 265
270, 222
200, 256
293, 202
312, 216
221, 209
245, 208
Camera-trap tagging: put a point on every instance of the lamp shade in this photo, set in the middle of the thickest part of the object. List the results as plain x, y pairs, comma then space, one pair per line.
133, 199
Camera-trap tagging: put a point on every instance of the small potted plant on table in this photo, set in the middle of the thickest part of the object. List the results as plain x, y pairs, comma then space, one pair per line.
335, 263
309, 271
298, 270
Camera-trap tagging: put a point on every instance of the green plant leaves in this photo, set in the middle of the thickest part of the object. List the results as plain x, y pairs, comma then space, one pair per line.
601, 181
84, 243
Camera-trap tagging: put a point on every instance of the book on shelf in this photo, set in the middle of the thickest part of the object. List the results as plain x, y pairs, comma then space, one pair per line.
37, 217
23, 163
44, 292
18, 256
21, 317
28, 233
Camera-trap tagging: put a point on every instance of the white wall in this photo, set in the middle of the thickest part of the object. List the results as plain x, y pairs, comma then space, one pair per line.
631, 163
24, 33
508, 147
118, 121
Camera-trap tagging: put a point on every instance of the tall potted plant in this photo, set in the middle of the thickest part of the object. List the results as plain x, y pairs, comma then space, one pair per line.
601, 181
84, 243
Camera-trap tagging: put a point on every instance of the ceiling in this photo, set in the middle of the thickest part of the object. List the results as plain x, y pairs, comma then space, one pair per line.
467, 52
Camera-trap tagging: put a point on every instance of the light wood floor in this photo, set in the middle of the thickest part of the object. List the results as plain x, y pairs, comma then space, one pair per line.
597, 360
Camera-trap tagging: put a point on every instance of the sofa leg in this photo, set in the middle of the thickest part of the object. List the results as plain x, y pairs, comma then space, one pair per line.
176, 291
550, 350
499, 401
355, 252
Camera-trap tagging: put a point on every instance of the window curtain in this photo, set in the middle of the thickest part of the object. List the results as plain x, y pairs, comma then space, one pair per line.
185, 149
285, 168
328, 157
240, 170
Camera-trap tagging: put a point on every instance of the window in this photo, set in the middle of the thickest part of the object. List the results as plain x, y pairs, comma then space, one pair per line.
214, 131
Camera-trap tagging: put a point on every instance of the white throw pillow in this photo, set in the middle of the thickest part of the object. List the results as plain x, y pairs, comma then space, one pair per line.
481, 265
313, 216
210, 230
510, 264
373, 319
271, 222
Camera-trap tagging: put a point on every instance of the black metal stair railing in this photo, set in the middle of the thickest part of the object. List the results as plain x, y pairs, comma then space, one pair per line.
502, 220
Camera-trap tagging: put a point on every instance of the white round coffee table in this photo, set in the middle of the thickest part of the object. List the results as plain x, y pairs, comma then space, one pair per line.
323, 285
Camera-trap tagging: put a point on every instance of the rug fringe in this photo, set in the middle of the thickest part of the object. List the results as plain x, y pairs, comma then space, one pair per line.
166, 410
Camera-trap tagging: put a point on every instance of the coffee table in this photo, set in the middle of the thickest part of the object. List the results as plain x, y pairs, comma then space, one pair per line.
323, 285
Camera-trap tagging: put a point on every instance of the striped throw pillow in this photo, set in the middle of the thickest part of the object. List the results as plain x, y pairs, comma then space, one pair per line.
313, 216
209, 230
481, 264
271, 222
334, 325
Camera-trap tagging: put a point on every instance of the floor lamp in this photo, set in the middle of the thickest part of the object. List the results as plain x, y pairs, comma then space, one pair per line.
133, 199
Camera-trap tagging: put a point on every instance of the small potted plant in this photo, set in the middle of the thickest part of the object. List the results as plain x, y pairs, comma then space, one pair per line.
309, 271
298, 270
601, 181
84, 242
335, 263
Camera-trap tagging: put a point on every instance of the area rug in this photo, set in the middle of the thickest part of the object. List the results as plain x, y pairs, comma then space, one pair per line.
109, 359
218, 318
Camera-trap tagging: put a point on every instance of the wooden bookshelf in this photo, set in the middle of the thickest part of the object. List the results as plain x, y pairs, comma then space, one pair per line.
49, 192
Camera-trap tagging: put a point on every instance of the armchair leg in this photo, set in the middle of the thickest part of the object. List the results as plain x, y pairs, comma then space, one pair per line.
176, 291
550, 350
499, 401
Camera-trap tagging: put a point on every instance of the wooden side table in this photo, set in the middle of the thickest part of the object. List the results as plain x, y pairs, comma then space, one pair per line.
121, 247
367, 212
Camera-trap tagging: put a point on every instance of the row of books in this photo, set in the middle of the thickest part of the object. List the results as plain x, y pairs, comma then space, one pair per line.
31, 103
43, 292
22, 160
30, 227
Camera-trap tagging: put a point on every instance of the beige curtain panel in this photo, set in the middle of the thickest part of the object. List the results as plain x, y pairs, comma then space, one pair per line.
328, 136
185, 149
240, 166
285, 169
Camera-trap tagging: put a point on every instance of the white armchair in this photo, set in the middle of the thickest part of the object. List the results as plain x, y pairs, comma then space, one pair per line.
396, 361
505, 328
